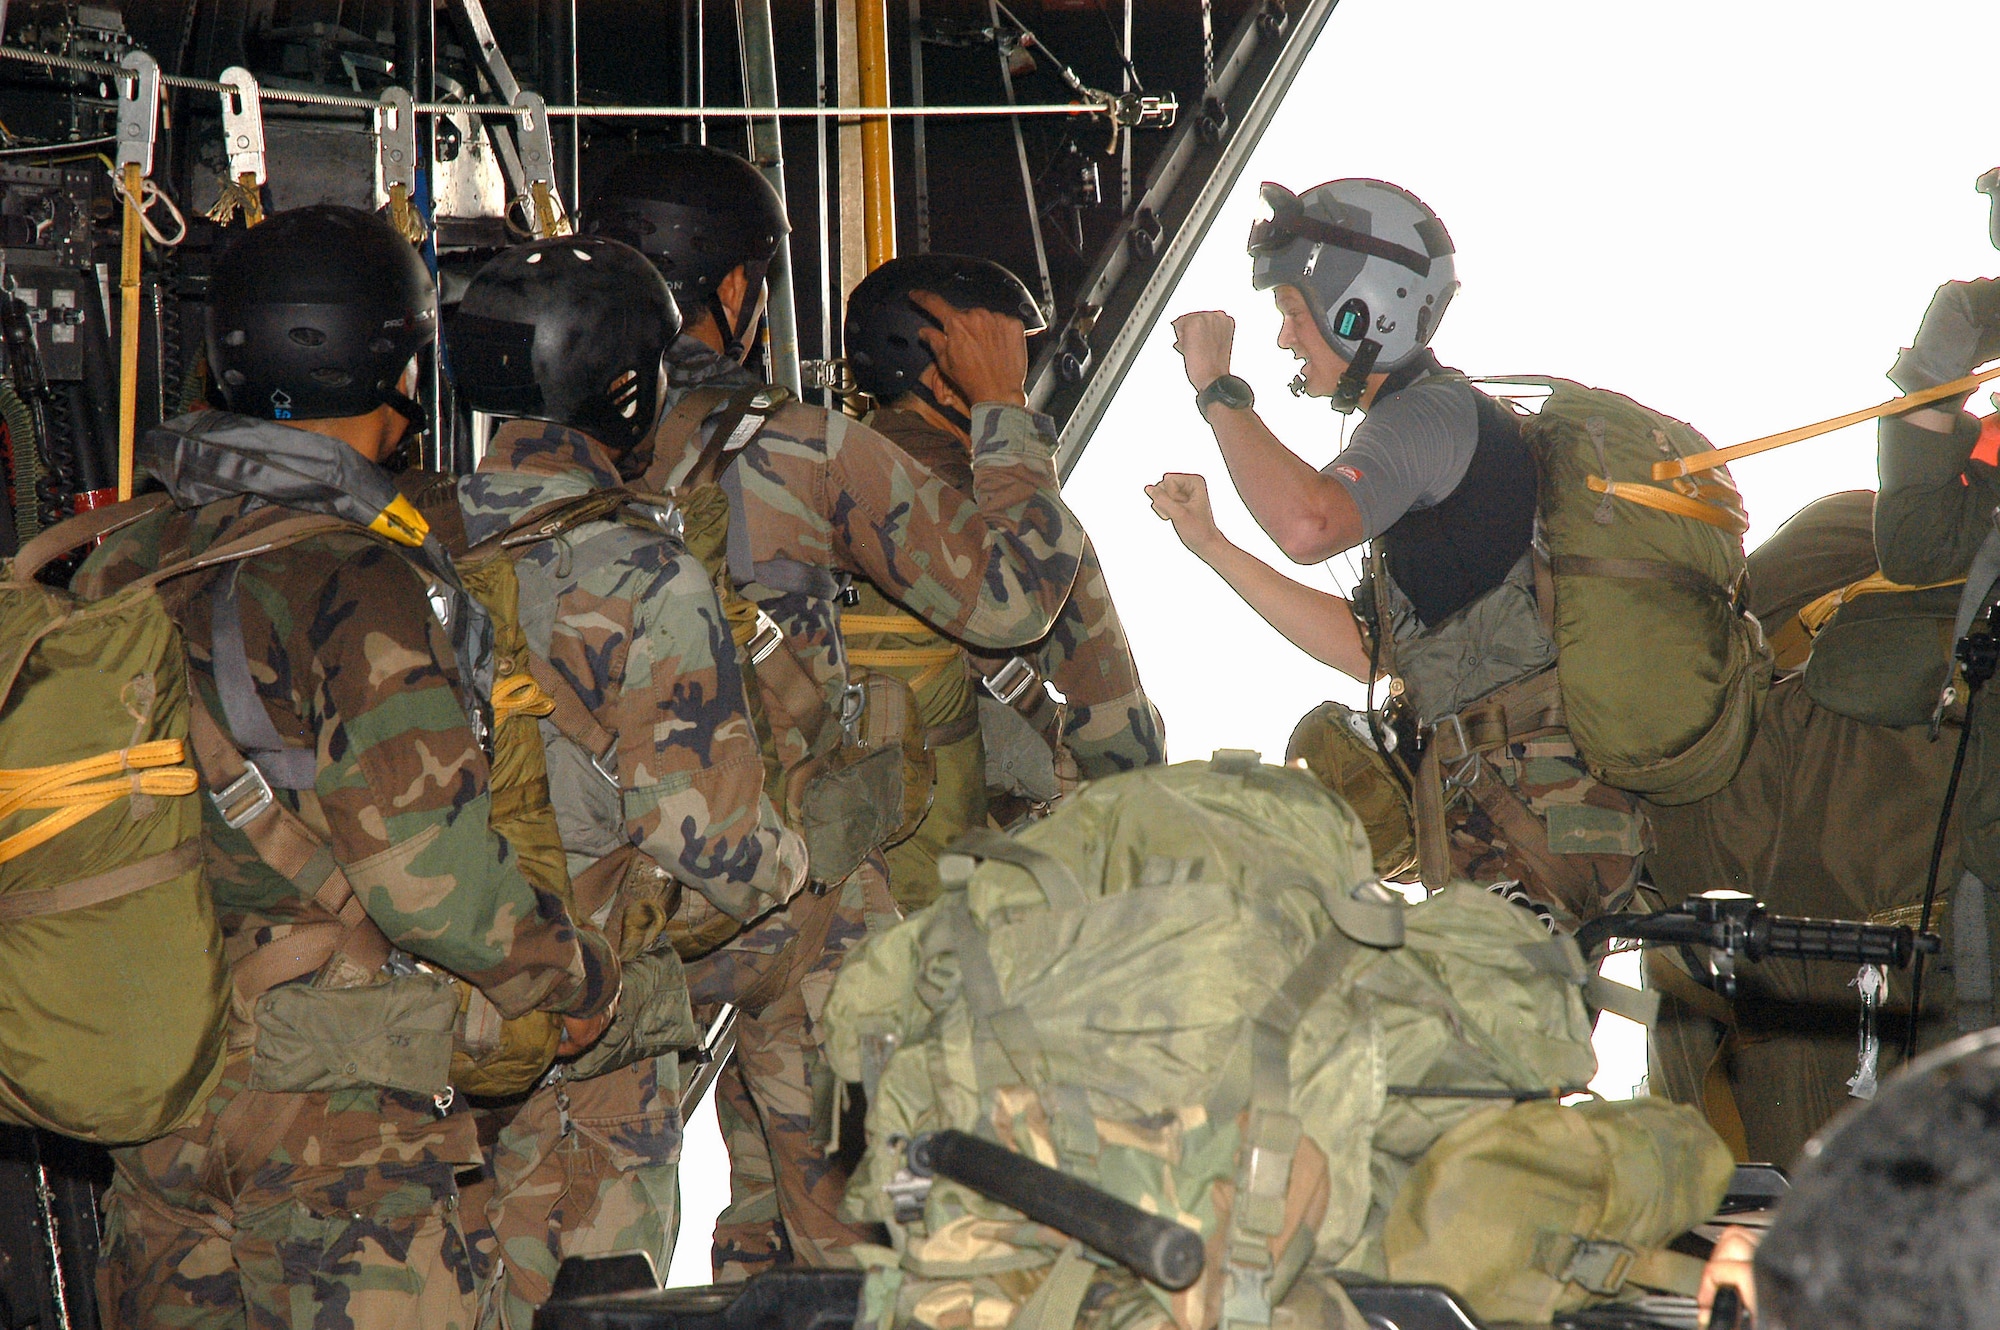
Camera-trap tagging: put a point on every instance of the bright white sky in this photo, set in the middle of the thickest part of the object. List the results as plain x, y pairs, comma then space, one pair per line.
1734, 212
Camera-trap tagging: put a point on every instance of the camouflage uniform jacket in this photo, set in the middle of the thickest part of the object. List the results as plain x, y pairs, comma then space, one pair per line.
821, 494
631, 623
1109, 725
348, 659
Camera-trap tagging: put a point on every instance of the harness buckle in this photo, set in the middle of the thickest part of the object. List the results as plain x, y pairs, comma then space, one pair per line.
1011, 681
244, 799
768, 638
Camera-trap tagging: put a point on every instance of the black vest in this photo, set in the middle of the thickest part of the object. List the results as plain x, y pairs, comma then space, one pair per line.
1447, 556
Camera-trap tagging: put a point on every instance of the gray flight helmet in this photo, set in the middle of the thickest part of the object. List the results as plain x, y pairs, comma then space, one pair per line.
1373, 262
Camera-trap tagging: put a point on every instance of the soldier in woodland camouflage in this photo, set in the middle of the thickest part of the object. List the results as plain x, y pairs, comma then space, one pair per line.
337, 1206
815, 500
630, 623
1106, 723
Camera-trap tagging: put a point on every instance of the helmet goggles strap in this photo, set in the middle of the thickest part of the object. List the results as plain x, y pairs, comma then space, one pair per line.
1288, 222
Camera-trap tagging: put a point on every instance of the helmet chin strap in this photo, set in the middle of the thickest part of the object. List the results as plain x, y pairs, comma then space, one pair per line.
1353, 385
736, 329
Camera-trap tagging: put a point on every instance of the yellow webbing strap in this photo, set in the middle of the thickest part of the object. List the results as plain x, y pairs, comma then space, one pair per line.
548, 221
1682, 466
402, 523
1667, 501
929, 662
1814, 616
520, 695
238, 196
403, 215
128, 328
78, 789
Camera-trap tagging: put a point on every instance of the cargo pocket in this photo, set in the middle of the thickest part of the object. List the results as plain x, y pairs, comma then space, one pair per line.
397, 1035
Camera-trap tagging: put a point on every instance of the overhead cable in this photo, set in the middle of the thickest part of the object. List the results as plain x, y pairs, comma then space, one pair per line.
1127, 110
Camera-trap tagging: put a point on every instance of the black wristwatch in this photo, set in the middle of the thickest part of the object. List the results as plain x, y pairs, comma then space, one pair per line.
1229, 390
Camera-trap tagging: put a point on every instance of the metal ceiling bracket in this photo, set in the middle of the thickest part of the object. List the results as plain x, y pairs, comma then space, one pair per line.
243, 125
396, 139
139, 111
546, 216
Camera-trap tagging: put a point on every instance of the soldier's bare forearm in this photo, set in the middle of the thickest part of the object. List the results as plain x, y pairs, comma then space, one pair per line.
1310, 516
1316, 622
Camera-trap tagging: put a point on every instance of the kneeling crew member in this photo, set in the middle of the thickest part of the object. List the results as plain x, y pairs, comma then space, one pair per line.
328, 666
1105, 724
814, 500
1438, 477
568, 336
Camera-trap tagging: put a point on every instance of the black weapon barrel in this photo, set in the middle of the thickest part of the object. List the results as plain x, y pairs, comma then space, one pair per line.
1167, 1253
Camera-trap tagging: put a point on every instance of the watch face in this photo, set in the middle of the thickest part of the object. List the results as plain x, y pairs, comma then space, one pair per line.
1231, 391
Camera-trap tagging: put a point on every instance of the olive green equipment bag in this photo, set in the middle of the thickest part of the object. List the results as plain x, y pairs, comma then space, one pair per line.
1080, 994
1871, 649
1825, 546
1540, 1208
1882, 653
1663, 668
114, 994
1335, 744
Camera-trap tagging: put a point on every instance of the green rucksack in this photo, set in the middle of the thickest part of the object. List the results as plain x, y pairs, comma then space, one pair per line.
1663, 669
1185, 987
1539, 1208
114, 994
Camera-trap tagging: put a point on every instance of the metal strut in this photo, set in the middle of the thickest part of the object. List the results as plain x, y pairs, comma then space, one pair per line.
993, 8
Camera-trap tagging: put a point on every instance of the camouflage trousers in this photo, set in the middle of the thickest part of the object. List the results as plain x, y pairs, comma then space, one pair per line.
582, 1168
1577, 849
336, 1211
784, 1186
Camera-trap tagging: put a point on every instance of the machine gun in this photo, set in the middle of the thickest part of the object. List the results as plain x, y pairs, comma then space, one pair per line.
1732, 925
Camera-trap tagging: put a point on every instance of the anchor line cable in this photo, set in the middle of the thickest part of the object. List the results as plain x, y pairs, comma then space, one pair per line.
1100, 103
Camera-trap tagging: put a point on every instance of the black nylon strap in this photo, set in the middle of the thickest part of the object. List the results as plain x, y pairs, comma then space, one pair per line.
284, 765
1275, 234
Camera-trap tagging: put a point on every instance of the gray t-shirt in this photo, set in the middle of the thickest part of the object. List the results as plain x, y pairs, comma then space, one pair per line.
1410, 451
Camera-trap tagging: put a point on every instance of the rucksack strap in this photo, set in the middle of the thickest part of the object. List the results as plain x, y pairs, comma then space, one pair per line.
293, 851
572, 716
1271, 1137
287, 766
76, 532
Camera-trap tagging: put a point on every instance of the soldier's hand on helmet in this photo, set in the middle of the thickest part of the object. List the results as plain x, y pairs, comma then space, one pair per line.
1204, 340
1729, 1264
984, 353
1960, 332
1182, 499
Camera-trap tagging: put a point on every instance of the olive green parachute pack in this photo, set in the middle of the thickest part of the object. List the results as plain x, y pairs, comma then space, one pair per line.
1186, 987
1663, 669
114, 993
